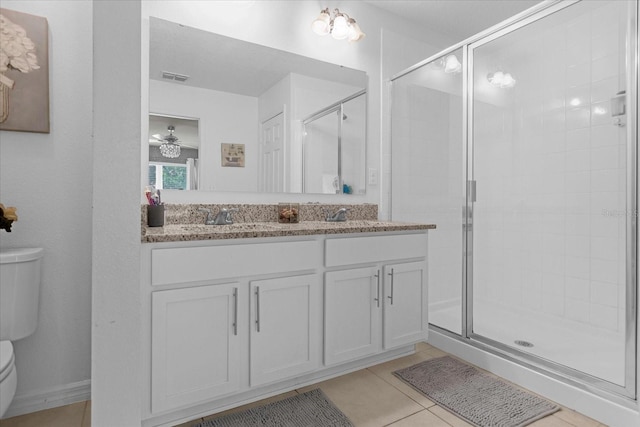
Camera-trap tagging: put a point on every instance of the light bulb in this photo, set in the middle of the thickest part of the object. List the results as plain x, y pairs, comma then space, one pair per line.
497, 78
452, 65
355, 33
321, 25
340, 27
508, 81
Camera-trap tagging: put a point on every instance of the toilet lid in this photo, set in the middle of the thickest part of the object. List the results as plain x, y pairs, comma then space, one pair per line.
13, 255
6, 357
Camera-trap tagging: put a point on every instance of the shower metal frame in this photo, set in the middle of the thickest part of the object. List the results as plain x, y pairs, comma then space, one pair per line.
333, 108
627, 394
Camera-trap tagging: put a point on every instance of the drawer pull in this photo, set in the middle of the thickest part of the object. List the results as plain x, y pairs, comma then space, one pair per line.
235, 311
377, 298
257, 308
391, 296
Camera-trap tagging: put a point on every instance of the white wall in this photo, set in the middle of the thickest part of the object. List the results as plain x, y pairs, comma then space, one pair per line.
48, 177
115, 316
224, 118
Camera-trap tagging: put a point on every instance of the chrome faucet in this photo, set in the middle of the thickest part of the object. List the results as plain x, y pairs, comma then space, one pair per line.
338, 216
223, 216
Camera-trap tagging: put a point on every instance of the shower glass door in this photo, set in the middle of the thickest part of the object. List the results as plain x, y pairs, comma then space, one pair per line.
428, 174
554, 211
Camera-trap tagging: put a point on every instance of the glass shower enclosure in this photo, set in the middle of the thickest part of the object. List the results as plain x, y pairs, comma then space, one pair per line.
333, 148
525, 156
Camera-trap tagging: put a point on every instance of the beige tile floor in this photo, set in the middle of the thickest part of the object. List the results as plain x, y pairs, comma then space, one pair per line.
369, 397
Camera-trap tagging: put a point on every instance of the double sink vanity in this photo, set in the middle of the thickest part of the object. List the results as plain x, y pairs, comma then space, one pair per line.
238, 312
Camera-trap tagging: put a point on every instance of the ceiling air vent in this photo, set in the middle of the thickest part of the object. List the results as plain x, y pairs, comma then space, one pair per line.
174, 76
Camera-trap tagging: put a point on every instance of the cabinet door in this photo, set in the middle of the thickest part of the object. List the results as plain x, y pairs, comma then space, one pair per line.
405, 290
195, 344
285, 335
352, 314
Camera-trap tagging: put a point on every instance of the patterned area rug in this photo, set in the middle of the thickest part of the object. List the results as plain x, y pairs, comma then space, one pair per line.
480, 399
311, 409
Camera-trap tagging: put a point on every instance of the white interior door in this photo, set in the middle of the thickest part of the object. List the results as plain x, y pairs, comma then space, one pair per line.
272, 155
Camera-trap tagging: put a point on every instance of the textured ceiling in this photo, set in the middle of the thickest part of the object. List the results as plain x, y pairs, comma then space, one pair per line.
457, 19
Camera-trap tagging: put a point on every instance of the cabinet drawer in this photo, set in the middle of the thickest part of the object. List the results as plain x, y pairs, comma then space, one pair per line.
360, 250
184, 265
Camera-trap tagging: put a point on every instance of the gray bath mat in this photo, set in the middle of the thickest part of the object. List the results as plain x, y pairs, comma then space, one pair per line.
478, 398
311, 409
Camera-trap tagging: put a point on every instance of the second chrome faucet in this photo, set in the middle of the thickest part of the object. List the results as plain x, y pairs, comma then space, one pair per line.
338, 216
223, 217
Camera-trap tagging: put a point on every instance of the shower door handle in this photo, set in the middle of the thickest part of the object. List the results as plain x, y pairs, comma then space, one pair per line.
471, 190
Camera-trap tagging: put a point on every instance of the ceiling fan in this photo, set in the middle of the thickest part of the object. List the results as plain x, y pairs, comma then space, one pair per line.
169, 147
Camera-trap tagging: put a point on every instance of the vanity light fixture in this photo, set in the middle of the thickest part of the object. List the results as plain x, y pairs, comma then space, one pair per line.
501, 79
449, 64
341, 26
169, 147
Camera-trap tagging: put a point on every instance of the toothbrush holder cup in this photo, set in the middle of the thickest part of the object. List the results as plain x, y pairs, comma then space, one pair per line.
155, 215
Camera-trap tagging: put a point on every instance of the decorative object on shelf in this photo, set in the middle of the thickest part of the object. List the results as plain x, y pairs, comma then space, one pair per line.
7, 217
24, 72
170, 146
233, 155
341, 26
288, 213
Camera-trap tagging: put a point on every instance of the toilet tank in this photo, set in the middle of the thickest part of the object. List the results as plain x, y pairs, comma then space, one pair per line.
19, 292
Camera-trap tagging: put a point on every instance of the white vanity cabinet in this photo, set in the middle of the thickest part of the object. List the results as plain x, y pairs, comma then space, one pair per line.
228, 317
285, 334
377, 307
196, 343
352, 314
405, 302
228, 322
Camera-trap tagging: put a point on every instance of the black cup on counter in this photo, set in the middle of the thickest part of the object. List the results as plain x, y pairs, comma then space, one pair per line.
155, 215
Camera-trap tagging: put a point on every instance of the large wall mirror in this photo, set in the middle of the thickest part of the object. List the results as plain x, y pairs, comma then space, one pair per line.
251, 118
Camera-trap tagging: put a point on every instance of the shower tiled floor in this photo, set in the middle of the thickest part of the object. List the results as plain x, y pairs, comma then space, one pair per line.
369, 397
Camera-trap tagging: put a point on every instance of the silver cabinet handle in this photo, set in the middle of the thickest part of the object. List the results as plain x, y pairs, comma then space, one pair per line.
391, 296
235, 311
377, 298
257, 308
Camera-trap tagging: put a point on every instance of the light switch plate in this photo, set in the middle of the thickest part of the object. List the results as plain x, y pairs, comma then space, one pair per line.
373, 176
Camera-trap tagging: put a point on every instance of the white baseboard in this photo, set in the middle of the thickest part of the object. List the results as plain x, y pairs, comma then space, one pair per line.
49, 398
606, 411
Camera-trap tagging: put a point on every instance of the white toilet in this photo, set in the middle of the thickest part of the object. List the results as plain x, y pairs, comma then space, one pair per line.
19, 296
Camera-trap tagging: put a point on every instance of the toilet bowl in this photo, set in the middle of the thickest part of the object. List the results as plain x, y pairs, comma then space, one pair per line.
19, 297
8, 377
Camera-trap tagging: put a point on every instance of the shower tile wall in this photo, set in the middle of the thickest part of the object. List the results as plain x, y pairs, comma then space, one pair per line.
551, 170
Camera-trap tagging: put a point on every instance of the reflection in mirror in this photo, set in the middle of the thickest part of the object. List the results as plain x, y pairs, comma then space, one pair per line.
251, 96
173, 152
334, 148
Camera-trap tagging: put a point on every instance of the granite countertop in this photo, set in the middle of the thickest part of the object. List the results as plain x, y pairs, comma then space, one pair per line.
243, 230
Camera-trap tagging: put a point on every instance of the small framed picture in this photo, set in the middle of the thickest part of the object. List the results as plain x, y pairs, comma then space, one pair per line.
233, 155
